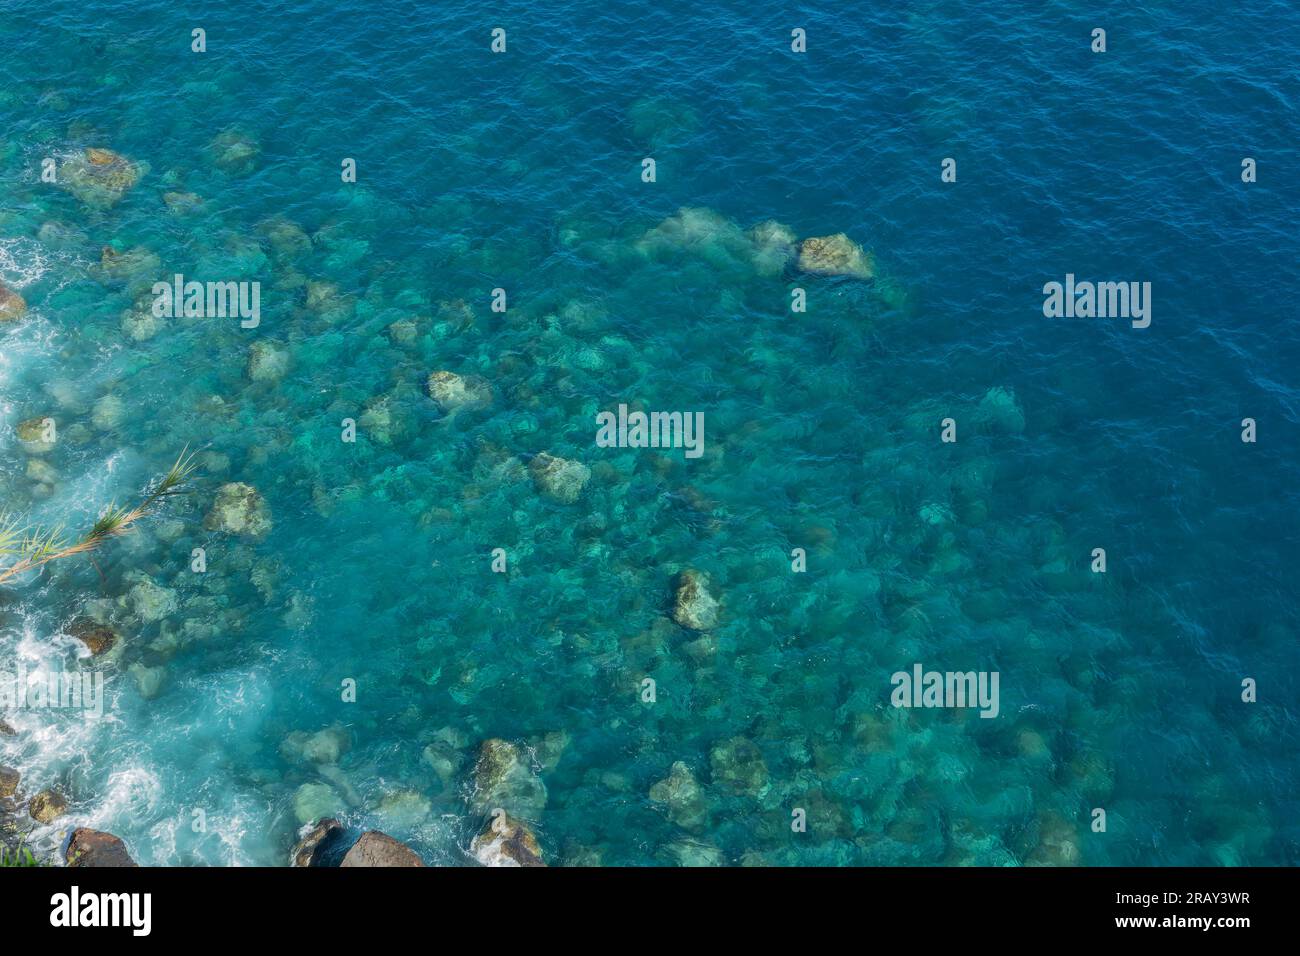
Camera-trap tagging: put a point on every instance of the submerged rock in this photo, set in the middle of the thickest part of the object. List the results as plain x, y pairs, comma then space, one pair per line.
379, 849
182, 203
234, 152
37, 435
136, 263
403, 809
559, 478
239, 509
503, 778
738, 766
504, 841
150, 601
94, 848
999, 411
683, 796
108, 412
148, 680
452, 391
100, 177
694, 607
266, 362
139, 324
774, 246
12, 305
695, 853
836, 255
312, 801
9, 778
47, 806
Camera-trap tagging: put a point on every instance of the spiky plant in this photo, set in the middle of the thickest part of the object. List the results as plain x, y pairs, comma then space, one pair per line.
30, 547
18, 856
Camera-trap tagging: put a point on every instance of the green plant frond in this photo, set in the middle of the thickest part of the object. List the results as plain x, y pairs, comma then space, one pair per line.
35, 546
40, 543
174, 480
11, 534
112, 521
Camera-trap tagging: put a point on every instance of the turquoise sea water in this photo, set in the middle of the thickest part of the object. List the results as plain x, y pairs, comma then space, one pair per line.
522, 171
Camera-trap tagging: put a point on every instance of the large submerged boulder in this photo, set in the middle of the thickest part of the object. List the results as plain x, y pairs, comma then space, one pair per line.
239, 509
682, 795
504, 778
453, 392
504, 841
738, 766
99, 177
559, 478
836, 255
694, 605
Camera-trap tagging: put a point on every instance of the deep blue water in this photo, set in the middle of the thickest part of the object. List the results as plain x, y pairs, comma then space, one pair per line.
522, 171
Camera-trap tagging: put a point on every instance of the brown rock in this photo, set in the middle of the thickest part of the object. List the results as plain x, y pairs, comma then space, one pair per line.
96, 848
97, 637
379, 849
9, 778
12, 305
47, 806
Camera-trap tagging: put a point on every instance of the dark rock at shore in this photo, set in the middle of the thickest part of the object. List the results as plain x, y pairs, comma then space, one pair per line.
9, 778
379, 849
314, 846
6, 730
96, 848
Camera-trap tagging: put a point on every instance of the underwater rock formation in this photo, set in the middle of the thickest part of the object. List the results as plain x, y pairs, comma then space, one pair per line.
738, 766
37, 435
452, 391
267, 362
100, 177
836, 255
504, 841
694, 607
504, 778
559, 478
682, 794
239, 509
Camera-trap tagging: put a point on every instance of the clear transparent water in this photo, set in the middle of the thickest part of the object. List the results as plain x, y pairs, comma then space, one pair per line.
522, 172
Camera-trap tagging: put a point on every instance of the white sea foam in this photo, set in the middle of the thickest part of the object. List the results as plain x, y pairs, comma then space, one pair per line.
23, 261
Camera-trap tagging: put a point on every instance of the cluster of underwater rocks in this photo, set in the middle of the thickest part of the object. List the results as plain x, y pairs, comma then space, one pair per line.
506, 780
